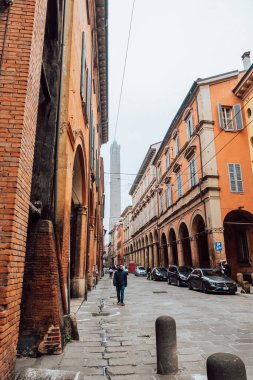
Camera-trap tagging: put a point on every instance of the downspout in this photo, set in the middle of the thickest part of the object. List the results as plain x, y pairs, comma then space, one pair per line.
63, 37
201, 165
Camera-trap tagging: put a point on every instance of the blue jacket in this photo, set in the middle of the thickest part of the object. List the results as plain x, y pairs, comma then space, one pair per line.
120, 278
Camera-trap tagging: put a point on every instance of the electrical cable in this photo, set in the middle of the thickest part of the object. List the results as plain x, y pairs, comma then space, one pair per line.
199, 171
123, 77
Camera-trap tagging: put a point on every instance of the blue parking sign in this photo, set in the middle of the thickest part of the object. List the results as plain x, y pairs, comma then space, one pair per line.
218, 246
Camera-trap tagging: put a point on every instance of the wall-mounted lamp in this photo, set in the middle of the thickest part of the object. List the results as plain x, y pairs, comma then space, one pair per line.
240, 207
8, 2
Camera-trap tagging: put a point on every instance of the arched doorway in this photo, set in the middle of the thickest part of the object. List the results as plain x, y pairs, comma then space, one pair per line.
238, 235
199, 232
77, 229
164, 251
186, 246
173, 246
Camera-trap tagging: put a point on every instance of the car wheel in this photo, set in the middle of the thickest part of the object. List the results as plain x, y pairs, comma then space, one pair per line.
178, 283
190, 286
204, 289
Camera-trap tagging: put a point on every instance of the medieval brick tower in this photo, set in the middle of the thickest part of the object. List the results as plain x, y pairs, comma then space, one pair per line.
115, 184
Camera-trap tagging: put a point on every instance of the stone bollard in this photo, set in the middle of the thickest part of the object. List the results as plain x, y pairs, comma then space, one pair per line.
239, 278
246, 286
166, 345
222, 366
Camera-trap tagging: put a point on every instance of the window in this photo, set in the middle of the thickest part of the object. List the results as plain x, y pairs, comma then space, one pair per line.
189, 125
161, 202
176, 144
168, 197
235, 178
192, 172
83, 68
159, 173
167, 160
230, 118
179, 185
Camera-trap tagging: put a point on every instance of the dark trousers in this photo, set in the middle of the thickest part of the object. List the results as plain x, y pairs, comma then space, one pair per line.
120, 293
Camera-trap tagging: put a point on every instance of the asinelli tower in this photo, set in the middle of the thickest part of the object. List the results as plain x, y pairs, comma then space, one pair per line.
115, 184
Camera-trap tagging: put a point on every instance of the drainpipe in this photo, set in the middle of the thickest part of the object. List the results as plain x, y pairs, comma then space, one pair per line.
201, 165
59, 111
56, 158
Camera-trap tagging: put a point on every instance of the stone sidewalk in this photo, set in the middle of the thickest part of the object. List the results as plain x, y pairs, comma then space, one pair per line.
120, 343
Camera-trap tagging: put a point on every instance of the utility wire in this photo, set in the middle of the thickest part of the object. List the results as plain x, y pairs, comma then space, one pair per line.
199, 171
123, 77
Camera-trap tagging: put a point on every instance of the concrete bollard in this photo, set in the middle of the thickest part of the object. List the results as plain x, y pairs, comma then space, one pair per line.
166, 345
222, 366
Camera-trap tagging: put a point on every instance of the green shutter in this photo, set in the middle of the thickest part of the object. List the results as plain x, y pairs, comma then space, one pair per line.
220, 116
238, 175
91, 140
83, 66
88, 94
238, 116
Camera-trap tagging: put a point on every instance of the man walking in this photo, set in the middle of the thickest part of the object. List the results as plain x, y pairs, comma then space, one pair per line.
120, 281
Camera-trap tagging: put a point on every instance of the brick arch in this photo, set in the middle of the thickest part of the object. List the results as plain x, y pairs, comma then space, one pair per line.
172, 239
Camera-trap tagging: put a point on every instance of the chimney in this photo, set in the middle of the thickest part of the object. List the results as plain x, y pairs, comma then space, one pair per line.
246, 60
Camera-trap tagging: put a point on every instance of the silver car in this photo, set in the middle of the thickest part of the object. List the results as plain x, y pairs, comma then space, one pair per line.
140, 271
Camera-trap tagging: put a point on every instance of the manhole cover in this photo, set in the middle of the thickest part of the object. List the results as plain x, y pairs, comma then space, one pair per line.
103, 314
162, 291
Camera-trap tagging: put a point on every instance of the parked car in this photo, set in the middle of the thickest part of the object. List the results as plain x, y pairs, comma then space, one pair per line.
140, 271
125, 269
179, 274
159, 273
211, 280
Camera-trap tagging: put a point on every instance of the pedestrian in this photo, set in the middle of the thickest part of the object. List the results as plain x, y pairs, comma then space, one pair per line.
120, 281
110, 272
148, 272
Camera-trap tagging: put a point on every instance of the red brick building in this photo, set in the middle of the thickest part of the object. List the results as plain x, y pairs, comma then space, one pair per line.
53, 120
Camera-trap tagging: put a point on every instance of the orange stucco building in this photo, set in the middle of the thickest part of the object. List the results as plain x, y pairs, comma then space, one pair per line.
204, 184
54, 119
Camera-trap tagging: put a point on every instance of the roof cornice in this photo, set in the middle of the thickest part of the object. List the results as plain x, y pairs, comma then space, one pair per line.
102, 39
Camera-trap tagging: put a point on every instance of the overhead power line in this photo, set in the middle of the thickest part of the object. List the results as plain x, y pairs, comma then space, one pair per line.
123, 76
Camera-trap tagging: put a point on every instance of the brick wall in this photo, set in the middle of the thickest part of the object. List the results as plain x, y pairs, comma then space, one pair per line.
21, 47
40, 323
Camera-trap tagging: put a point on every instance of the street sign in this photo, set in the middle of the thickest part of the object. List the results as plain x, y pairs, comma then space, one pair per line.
218, 246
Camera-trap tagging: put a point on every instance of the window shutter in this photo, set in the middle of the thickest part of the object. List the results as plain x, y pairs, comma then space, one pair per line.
238, 116
238, 174
91, 140
220, 116
83, 66
232, 179
88, 96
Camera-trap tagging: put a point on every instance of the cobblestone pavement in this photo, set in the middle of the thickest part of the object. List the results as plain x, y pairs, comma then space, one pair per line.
121, 345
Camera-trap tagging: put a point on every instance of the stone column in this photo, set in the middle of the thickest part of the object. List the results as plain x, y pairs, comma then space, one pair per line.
194, 252
77, 284
180, 253
155, 254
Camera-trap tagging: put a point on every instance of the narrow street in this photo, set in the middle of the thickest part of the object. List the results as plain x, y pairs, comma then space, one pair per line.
121, 345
